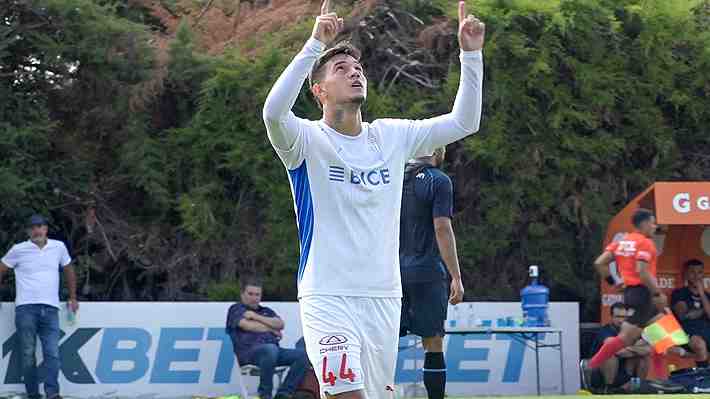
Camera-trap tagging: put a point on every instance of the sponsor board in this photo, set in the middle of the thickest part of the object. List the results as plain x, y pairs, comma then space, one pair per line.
176, 350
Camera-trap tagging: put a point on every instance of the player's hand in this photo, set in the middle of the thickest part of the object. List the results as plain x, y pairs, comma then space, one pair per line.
700, 286
471, 31
619, 288
249, 315
456, 295
328, 24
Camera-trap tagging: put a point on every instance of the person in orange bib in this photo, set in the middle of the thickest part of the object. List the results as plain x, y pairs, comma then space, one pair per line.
635, 255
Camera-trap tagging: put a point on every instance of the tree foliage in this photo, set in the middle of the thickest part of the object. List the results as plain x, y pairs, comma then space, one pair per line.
154, 164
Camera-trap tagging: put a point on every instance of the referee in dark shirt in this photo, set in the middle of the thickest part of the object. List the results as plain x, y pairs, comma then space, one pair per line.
427, 249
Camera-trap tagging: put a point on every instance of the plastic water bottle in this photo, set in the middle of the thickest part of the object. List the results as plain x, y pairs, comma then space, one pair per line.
71, 316
635, 384
470, 317
534, 301
453, 317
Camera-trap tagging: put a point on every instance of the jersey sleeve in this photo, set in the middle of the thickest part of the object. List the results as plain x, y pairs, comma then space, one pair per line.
65, 259
644, 252
425, 135
612, 247
12, 257
234, 316
287, 132
443, 200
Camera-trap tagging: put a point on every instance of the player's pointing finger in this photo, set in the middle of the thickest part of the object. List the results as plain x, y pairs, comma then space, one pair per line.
462, 10
325, 7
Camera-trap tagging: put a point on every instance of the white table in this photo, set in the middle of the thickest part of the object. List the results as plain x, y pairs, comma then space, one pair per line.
527, 335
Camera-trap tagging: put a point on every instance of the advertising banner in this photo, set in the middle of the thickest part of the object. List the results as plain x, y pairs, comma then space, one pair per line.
177, 350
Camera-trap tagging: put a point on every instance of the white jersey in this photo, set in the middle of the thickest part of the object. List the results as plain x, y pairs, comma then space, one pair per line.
347, 190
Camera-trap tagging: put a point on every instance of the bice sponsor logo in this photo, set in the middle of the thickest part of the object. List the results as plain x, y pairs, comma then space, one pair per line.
374, 177
683, 203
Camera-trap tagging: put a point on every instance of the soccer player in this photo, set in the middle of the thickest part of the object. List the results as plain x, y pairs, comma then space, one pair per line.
346, 178
426, 246
636, 257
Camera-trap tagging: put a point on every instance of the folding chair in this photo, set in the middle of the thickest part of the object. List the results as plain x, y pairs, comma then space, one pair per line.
254, 371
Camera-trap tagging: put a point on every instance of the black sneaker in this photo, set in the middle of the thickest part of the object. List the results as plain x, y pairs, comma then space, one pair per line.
283, 396
610, 390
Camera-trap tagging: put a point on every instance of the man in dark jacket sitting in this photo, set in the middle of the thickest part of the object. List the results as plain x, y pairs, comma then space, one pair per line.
255, 331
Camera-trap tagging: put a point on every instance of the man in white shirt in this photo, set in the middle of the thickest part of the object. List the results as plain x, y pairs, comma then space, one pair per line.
36, 263
346, 177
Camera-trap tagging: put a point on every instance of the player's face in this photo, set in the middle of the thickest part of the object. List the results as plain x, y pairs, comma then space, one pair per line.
618, 317
251, 296
695, 273
649, 227
344, 81
440, 158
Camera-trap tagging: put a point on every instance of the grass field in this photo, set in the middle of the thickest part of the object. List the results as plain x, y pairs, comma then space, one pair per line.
682, 396
583, 396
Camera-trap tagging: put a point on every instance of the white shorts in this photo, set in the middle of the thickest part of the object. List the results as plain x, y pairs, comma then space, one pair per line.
352, 342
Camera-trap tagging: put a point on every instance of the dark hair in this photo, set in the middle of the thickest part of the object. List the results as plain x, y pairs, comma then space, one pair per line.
693, 262
316, 73
641, 215
617, 305
250, 281
343, 47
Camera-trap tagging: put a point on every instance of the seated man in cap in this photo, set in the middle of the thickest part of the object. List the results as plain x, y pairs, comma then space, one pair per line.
36, 263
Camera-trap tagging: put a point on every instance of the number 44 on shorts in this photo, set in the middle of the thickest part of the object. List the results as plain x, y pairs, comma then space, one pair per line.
330, 378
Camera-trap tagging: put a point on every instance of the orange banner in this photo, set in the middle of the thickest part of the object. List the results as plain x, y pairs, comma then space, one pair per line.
682, 203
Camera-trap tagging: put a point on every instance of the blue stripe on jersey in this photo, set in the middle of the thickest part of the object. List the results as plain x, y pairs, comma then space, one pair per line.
304, 212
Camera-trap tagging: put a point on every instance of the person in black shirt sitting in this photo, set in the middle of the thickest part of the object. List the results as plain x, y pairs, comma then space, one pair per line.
691, 305
614, 375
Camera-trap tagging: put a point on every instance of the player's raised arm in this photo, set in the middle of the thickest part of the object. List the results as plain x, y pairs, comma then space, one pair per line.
465, 116
282, 125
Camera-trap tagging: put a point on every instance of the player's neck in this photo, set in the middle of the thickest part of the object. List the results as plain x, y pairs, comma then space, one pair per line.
641, 233
346, 119
40, 242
